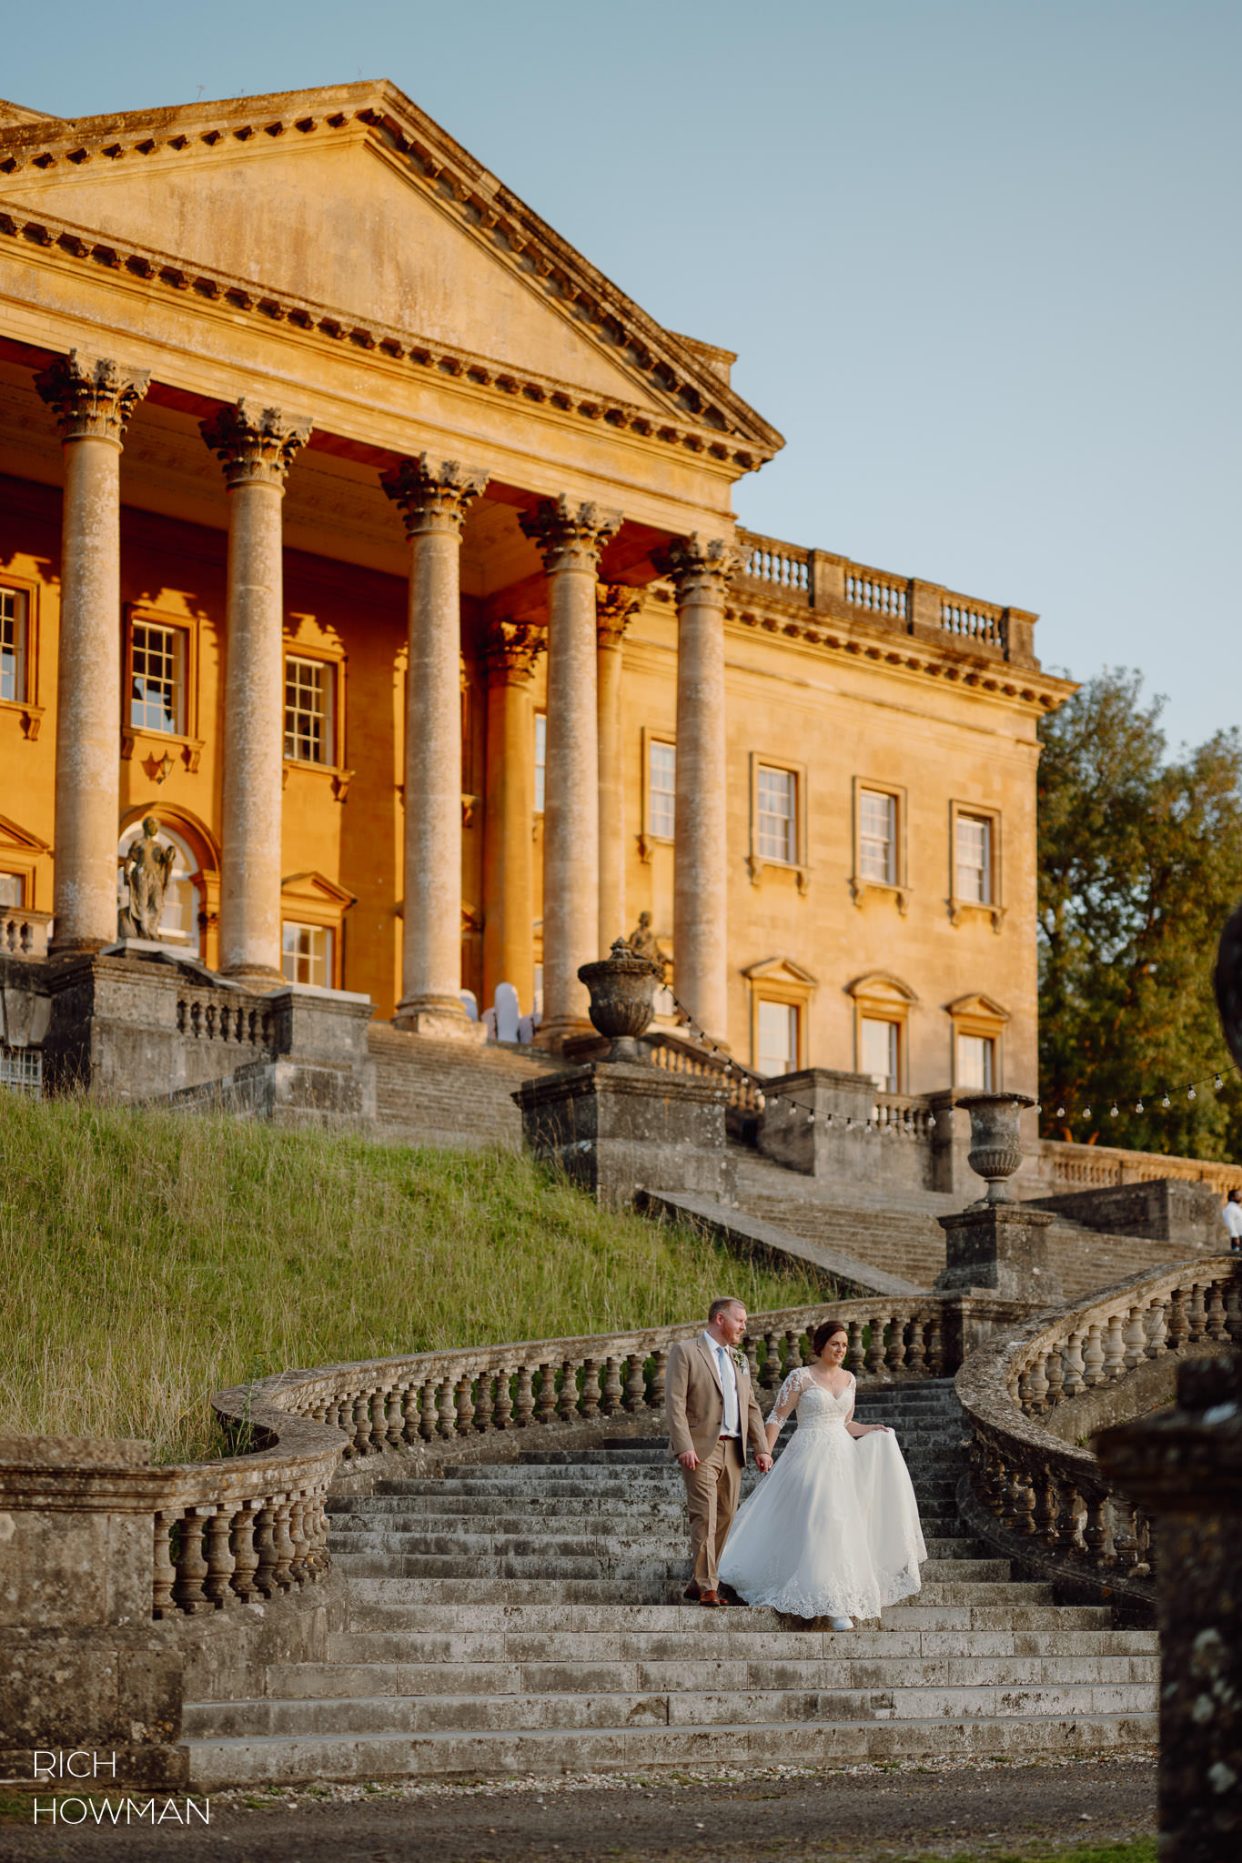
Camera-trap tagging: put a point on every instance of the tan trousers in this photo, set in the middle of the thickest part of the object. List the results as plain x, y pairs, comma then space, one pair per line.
711, 1501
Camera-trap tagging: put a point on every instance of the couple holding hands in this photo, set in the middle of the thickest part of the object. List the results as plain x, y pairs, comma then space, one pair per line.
833, 1530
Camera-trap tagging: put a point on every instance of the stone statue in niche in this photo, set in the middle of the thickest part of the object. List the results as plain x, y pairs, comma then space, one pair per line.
148, 869
644, 943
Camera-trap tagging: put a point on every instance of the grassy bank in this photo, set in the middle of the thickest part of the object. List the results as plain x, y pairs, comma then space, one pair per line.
149, 1259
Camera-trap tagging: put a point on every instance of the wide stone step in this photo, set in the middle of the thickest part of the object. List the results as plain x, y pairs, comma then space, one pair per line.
588, 1539
516, 1589
252, 1760
382, 1510
373, 1608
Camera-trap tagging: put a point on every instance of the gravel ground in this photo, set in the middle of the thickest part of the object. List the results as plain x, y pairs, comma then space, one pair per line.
782, 1815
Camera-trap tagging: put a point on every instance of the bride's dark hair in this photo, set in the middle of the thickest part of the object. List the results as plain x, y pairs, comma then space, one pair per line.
823, 1333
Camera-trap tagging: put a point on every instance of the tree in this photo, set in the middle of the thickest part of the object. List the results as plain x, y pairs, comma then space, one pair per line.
1140, 863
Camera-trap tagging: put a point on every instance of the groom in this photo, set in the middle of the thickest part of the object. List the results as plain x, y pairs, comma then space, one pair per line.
712, 1413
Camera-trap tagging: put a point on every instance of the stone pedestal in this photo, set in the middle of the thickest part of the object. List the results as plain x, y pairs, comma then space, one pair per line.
1185, 1468
616, 1127
1000, 1248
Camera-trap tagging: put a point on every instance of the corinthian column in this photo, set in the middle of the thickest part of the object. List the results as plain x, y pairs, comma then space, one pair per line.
512, 649
615, 607
433, 496
570, 538
92, 401
701, 570
256, 446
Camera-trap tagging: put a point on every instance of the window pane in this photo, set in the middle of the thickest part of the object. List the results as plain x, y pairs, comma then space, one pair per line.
877, 837
662, 789
12, 645
11, 889
309, 686
778, 1037
777, 814
21, 1069
878, 1041
541, 759
976, 1062
306, 954
973, 880
157, 680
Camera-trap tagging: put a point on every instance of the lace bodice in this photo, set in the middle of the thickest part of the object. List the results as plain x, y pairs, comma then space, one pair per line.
818, 1409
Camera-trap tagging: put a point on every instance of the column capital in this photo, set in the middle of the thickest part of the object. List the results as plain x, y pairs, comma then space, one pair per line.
569, 535
616, 604
699, 565
92, 397
433, 494
511, 649
255, 445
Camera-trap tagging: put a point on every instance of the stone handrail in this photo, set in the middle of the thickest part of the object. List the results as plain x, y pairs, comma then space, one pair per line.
24, 934
1048, 1495
679, 1055
213, 1014
909, 1114
1092, 1166
784, 565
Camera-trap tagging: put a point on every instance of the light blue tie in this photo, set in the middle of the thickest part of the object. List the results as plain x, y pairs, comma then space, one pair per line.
729, 1389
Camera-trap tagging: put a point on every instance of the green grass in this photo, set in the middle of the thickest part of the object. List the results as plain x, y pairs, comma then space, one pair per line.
149, 1259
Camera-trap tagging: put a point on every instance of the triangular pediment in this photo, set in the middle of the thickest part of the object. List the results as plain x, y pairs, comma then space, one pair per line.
780, 970
985, 1008
18, 840
352, 198
315, 889
880, 986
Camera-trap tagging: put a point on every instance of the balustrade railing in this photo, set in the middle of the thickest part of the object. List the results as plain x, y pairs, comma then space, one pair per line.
1090, 1167
905, 1114
876, 592
1049, 1492
742, 1089
24, 934
980, 622
785, 566
220, 1015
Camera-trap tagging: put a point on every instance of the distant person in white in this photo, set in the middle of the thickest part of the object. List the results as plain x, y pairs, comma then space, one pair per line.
1232, 1214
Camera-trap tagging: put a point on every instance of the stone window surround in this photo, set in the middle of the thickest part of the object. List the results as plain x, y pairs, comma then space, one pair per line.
335, 659
757, 864
899, 888
27, 708
993, 909
314, 900
978, 1014
136, 739
648, 840
781, 980
881, 997
20, 853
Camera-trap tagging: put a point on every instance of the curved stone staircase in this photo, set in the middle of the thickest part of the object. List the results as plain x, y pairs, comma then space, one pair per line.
527, 1616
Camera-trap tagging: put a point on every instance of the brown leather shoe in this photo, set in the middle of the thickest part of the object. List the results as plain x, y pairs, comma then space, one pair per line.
691, 1592
712, 1598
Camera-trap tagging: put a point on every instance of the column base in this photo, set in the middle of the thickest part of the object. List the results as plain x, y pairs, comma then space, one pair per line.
441, 1016
553, 1035
256, 976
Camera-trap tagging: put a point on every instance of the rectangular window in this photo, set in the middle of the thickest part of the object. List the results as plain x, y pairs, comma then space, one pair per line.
13, 615
310, 687
778, 1037
973, 877
976, 1062
21, 1069
541, 759
778, 815
157, 678
880, 1044
306, 954
12, 889
877, 837
662, 789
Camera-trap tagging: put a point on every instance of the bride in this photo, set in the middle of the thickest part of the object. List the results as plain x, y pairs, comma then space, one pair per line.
834, 1530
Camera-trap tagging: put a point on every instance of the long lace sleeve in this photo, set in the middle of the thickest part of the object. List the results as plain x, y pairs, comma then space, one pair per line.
787, 1398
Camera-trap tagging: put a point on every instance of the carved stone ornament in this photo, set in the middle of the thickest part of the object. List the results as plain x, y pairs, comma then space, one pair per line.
699, 565
995, 1139
511, 649
433, 494
616, 604
92, 398
569, 535
622, 990
255, 445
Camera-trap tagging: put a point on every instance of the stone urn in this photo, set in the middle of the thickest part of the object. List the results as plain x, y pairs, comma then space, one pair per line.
995, 1139
622, 987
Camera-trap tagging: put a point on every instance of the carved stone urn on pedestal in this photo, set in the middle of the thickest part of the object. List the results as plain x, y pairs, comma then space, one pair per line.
622, 989
995, 1139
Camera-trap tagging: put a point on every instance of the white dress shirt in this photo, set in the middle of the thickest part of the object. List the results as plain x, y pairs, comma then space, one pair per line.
1233, 1220
727, 1372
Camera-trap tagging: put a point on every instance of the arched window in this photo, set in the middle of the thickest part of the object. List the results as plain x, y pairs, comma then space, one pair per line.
179, 923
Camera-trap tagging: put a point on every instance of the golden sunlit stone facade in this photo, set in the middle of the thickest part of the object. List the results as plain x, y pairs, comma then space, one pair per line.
358, 530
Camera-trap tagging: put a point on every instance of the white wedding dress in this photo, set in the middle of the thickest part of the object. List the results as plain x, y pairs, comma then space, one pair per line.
833, 1530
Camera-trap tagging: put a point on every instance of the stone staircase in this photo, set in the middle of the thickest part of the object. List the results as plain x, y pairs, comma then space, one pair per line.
897, 1232
449, 1093
527, 1616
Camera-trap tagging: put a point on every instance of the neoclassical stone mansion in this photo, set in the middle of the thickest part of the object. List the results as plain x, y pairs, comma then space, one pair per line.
361, 534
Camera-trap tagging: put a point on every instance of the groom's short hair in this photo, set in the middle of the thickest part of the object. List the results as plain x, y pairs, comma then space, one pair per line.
721, 1306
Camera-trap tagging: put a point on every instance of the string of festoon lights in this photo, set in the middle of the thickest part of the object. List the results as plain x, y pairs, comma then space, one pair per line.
1146, 1102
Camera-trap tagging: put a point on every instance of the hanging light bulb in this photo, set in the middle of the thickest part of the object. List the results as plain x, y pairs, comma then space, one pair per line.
1218, 1083
1086, 1112
1113, 1111
1191, 1094
931, 1120
1138, 1106
1166, 1102
810, 1119
1060, 1112
1038, 1108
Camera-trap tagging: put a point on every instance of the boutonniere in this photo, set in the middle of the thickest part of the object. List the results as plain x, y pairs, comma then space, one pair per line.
739, 1359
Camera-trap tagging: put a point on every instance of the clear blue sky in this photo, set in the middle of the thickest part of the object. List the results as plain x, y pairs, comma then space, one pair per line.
980, 258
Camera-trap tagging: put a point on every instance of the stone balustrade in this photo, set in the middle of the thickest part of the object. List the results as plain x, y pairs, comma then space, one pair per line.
1090, 1167
226, 1016
24, 934
906, 1114
743, 1090
783, 566
1031, 1400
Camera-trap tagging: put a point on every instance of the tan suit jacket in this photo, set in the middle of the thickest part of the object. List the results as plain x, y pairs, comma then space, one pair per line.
694, 1401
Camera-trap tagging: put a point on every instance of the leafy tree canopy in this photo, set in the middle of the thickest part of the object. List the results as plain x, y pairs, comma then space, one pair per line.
1140, 863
